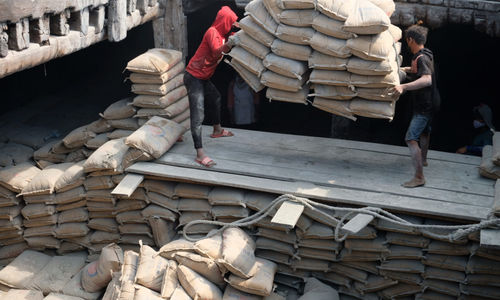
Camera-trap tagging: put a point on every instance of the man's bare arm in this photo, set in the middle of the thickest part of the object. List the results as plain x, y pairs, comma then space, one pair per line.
422, 82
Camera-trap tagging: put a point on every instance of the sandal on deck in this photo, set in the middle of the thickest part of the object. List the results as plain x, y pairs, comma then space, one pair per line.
223, 133
206, 162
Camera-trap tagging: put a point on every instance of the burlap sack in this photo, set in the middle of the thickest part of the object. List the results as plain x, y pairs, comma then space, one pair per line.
366, 18
298, 17
330, 45
157, 78
251, 45
258, 12
16, 178
108, 157
45, 153
331, 27
273, 8
251, 62
366, 67
327, 77
338, 10
118, 133
250, 27
71, 230
151, 269
280, 82
372, 47
126, 124
158, 211
333, 92
99, 126
293, 97
155, 61
206, 267
171, 97
375, 81
158, 89
78, 137
97, 274
196, 285
316, 290
73, 215
260, 281
121, 109
128, 271
23, 269
294, 35
377, 94
238, 252
318, 60
373, 109
285, 66
44, 182
251, 79
292, 51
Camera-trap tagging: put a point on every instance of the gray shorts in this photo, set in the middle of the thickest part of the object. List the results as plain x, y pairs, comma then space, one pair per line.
419, 124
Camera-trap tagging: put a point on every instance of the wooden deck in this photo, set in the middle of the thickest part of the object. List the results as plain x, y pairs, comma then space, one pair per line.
333, 170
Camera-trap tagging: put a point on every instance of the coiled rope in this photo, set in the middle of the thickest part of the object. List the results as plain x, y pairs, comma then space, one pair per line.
458, 233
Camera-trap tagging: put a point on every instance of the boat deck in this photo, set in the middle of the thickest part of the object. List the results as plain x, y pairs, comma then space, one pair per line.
340, 172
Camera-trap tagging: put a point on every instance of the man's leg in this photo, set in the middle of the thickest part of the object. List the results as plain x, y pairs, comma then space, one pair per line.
417, 126
424, 146
213, 98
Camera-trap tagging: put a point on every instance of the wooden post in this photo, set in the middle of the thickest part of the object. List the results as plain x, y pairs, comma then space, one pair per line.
131, 6
4, 40
153, 2
79, 21
97, 18
59, 23
159, 33
39, 30
173, 33
117, 20
142, 5
19, 36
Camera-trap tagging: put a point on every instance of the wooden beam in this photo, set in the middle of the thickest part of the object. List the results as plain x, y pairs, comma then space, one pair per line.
288, 214
128, 185
159, 33
59, 23
79, 21
97, 16
490, 238
357, 223
117, 20
175, 26
40, 30
4, 40
131, 6
142, 6
19, 37
153, 2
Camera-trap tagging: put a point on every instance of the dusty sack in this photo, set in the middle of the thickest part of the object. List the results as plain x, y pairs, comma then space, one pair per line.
366, 18
197, 286
330, 45
107, 157
129, 270
285, 66
261, 16
299, 17
261, 278
238, 252
251, 62
206, 267
20, 272
318, 60
292, 51
341, 108
333, 92
171, 97
16, 178
295, 35
338, 10
44, 182
155, 61
97, 274
249, 26
294, 97
151, 269
280, 82
251, 79
331, 27
121, 109
160, 78
251, 45
372, 47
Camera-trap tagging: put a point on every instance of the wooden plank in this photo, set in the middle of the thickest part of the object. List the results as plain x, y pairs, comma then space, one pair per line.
152, 2
128, 185
142, 6
79, 21
490, 238
59, 23
288, 214
19, 37
97, 16
313, 191
4, 40
117, 20
40, 30
131, 6
357, 223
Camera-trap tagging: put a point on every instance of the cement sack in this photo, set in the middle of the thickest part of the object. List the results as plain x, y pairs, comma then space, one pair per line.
196, 285
71, 230
168, 251
206, 267
60, 148
63, 207
70, 196
158, 89
99, 126
333, 278
374, 283
38, 210
74, 288
68, 247
238, 252
439, 247
251, 62
336, 78
285, 66
356, 256
280, 82
121, 109
372, 47
137, 229
250, 27
273, 256
370, 245
163, 201
443, 287
98, 183
388, 6
366, 18
330, 45
13, 154
320, 244
78, 137
293, 97
108, 225
338, 10
297, 4
78, 155
480, 291
160, 78
274, 245
231, 293
487, 168
58, 271
72, 177
9, 213
15, 224
210, 247
151, 269
198, 229
129, 205
365, 67
373, 109
457, 263
193, 205
163, 231
34, 226
483, 279
318, 254
113, 289
16, 178
373, 81
180, 294
292, 51
251, 79
341, 108
377, 94
182, 116
171, 97
333, 92
142, 293
403, 252
227, 196
23, 269
169, 112
251, 45
189, 190
73, 215
101, 196
331, 27
13, 250
126, 124
475, 265
128, 271
134, 155
318, 60
400, 290
298, 17
158, 211
45, 153
285, 237
9, 201
155, 137
166, 188
495, 156
273, 8
44, 182
403, 265
23, 295
43, 242
119, 133
103, 237
258, 12
97, 275
108, 157
260, 281
441, 274
155, 61
316, 290
294, 35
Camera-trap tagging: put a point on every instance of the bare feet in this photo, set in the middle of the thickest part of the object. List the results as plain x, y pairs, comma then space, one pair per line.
415, 182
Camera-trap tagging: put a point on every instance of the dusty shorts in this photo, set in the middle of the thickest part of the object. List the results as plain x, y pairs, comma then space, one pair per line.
419, 124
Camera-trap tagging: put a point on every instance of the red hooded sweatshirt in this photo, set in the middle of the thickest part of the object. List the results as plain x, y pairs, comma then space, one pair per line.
204, 62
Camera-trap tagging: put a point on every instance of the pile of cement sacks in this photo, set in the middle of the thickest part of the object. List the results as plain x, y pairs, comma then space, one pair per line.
490, 162
346, 51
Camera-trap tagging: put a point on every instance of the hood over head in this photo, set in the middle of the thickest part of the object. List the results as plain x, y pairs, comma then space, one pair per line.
224, 20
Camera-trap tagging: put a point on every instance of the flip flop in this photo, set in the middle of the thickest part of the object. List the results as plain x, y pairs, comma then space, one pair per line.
206, 162
223, 133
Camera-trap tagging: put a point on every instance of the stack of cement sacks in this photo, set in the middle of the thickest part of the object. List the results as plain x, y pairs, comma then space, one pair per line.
347, 50
490, 162
157, 79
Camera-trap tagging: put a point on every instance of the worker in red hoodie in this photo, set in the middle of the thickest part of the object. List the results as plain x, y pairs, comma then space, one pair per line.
216, 41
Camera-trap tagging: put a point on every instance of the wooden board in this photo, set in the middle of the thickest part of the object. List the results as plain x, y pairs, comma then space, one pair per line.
490, 238
357, 223
128, 185
309, 190
288, 214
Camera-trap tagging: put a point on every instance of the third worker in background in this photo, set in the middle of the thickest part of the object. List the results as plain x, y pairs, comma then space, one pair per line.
425, 100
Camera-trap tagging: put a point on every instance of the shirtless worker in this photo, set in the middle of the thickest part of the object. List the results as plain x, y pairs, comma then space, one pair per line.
216, 41
425, 98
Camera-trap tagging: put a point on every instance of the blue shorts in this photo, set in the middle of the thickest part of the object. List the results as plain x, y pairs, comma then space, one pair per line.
419, 124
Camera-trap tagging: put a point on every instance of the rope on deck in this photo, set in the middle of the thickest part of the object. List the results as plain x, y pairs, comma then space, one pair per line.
460, 231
